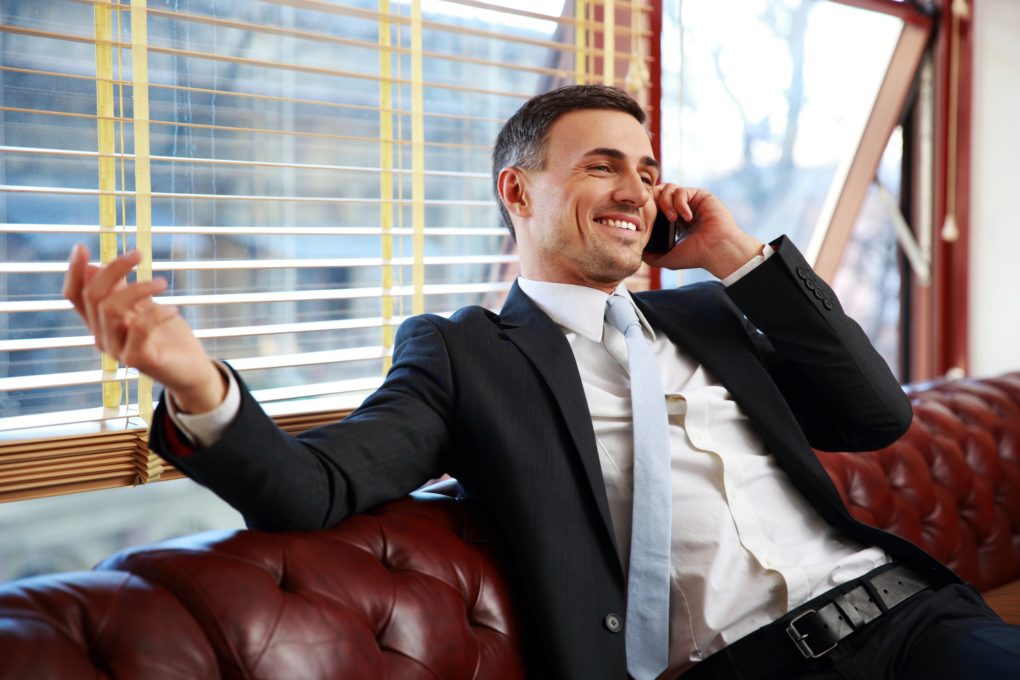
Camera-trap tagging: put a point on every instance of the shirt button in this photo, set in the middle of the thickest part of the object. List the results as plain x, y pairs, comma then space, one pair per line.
613, 622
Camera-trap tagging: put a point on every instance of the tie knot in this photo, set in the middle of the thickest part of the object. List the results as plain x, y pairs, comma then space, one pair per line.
620, 313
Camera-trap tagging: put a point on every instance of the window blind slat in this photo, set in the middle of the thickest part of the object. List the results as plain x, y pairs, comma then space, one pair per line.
71, 191
306, 390
282, 230
278, 296
242, 163
257, 96
305, 327
63, 432
68, 379
330, 356
235, 128
51, 380
255, 265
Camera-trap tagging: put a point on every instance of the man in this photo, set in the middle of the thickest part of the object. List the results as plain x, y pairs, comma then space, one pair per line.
531, 411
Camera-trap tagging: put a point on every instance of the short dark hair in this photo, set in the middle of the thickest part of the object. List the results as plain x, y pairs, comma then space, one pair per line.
523, 140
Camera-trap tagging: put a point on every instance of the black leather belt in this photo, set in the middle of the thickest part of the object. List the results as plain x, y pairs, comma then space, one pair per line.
814, 629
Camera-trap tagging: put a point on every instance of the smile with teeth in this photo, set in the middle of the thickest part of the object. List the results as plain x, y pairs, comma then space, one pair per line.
619, 224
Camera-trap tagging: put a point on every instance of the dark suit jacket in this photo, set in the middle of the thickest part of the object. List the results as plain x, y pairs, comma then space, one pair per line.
497, 402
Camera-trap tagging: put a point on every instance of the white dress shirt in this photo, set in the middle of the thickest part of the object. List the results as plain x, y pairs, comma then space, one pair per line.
746, 547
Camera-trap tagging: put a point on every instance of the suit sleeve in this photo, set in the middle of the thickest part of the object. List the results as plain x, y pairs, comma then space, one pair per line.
840, 389
392, 444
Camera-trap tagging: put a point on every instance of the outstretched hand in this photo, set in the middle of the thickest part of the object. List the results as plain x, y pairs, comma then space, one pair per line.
712, 240
131, 326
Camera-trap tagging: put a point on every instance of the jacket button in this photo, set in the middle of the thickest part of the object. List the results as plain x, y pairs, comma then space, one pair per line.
801, 272
810, 283
828, 303
613, 622
819, 294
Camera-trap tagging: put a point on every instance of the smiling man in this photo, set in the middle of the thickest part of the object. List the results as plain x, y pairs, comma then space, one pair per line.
646, 457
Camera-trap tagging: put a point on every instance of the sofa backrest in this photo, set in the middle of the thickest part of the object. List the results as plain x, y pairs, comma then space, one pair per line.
951, 484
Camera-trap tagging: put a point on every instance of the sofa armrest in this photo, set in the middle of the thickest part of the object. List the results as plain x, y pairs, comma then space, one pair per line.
98, 624
410, 590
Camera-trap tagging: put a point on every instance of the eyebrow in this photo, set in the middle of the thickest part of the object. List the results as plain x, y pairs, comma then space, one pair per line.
617, 154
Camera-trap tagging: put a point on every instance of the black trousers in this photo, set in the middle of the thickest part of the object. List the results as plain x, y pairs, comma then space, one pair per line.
948, 634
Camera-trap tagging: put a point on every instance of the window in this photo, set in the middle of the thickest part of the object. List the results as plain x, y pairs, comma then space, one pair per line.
305, 174
793, 139
869, 279
771, 135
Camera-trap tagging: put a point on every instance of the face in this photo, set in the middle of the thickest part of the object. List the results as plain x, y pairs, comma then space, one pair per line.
587, 215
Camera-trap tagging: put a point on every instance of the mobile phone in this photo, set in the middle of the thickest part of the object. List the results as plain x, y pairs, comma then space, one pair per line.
666, 233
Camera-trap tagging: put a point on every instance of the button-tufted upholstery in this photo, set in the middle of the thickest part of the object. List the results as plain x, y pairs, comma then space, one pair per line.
412, 590
952, 483
98, 623
415, 589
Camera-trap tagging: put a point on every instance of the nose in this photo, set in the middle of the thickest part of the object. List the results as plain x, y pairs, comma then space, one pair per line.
630, 189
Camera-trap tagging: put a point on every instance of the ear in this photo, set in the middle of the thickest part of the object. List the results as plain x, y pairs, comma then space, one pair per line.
513, 192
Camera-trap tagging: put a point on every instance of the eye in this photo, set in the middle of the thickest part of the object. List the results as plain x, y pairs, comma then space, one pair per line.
647, 179
600, 167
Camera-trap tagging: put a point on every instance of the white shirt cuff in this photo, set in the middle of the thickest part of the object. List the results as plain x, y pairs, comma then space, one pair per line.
205, 429
766, 253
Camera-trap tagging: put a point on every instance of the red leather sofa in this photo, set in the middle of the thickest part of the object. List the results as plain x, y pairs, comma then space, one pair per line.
415, 588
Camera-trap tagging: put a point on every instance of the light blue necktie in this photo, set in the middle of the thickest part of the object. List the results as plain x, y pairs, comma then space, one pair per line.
647, 623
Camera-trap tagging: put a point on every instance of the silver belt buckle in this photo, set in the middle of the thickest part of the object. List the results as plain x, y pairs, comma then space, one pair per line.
800, 639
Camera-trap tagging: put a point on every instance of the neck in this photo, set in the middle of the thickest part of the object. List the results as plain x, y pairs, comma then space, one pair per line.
551, 277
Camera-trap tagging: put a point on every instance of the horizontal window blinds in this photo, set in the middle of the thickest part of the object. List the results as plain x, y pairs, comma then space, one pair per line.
306, 175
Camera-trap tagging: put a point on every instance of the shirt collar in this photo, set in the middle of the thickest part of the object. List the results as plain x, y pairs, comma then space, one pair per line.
578, 309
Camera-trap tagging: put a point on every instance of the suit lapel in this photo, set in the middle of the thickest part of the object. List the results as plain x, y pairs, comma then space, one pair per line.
543, 343
731, 359
727, 358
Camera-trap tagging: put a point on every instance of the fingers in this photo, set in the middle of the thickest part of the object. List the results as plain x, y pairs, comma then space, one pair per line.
109, 276
136, 349
87, 285
674, 201
118, 309
74, 280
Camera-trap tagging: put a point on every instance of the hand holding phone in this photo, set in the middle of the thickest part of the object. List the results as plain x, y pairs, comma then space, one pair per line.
666, 234
711, 238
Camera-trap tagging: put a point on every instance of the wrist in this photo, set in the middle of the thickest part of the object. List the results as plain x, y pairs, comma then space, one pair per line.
203, 395
733, 254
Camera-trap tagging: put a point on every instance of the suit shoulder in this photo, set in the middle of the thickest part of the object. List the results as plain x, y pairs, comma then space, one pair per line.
703, 296
466, 319
705, 303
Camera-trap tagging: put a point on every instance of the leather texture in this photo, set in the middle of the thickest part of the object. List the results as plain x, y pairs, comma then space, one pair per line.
951, 484
818, 627
412, 590
415, 589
